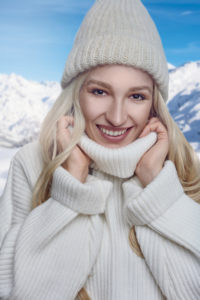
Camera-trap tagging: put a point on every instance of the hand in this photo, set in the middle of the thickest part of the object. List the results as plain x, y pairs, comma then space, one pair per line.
77, 163
152, 161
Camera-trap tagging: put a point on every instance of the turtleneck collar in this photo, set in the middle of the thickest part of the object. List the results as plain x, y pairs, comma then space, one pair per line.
120, 162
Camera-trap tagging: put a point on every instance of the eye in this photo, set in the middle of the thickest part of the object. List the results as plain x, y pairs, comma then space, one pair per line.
98, 92
138, 97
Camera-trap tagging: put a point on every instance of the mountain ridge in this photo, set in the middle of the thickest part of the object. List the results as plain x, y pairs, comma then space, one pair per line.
24, 104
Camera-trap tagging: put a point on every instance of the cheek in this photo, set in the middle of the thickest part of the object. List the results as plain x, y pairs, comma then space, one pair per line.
140, 114
91, 109
90, 113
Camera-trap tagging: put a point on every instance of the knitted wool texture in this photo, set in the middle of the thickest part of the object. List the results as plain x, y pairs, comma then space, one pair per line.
118, 32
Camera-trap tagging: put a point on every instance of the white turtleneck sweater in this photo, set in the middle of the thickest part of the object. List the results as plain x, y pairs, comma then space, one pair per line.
79, 236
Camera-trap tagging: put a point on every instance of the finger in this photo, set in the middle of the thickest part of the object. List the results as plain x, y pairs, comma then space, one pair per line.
154, 119
63, 132
146, 129
155, 125
160, 129
64, 122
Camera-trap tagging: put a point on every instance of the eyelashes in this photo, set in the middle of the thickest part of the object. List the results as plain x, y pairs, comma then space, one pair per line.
134, 96
98, 92
138, 97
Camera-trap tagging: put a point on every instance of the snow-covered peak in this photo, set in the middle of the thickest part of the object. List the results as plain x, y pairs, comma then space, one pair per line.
14, 81
23, 105
184, 79
170, 67
184, 100
19, 83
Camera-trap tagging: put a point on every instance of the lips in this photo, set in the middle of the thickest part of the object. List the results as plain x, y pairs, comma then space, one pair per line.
114, 134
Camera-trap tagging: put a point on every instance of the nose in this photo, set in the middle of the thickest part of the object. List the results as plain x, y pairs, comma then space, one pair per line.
116, 115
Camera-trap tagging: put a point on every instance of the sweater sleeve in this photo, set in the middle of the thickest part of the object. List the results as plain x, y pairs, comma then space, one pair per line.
49, 251
167, 226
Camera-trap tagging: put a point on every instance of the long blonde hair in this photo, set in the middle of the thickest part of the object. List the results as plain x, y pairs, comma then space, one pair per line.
66, 104
180, 151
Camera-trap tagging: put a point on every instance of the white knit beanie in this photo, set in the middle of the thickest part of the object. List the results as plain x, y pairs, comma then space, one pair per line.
118, 32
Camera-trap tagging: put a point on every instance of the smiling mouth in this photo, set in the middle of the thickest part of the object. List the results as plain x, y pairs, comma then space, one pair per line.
113, 133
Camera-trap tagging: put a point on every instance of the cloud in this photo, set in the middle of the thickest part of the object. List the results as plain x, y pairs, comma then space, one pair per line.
187, 12
190, 12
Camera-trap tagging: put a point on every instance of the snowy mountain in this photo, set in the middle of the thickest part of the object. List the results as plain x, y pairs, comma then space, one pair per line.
24, 103
170, 67
184, 100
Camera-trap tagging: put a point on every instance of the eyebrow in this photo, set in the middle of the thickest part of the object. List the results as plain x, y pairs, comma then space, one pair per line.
108, 86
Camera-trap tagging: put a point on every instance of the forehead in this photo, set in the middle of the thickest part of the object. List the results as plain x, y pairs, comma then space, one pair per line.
120, 74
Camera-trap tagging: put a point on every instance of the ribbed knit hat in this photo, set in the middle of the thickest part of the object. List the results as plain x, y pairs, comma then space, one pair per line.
118, 32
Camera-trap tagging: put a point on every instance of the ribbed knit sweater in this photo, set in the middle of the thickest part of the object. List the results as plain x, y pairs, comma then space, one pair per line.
80, 235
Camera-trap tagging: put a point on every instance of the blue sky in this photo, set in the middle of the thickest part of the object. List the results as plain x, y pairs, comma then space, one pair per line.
37, 35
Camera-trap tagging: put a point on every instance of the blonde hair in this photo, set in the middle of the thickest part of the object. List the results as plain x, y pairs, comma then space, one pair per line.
66, 104
180, 152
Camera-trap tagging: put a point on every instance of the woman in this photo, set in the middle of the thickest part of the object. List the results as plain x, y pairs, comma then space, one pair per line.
106, 206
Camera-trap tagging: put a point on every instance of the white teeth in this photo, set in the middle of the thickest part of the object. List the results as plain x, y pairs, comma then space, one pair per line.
113, 133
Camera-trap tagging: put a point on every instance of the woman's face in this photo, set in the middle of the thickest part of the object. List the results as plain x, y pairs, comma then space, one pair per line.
116, 101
